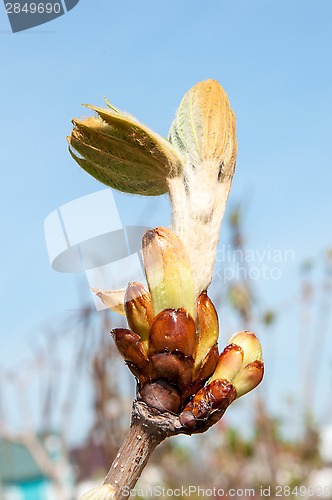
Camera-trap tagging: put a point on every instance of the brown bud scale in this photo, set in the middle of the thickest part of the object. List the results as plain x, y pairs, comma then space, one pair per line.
209, 363
174, 367
173, 330
206, 370
208, 405
130, 347
161, 396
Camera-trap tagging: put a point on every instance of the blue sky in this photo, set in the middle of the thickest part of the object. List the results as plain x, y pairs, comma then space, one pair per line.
273, 59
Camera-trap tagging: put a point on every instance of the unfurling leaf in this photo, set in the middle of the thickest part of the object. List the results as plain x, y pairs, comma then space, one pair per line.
204, 133
204, 127
120, 152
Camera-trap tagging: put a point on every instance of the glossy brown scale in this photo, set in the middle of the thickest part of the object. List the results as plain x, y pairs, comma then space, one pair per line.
208, 405
173, 330
173, 357
142, 376
130, 347
162, 396
206, 370
175, 367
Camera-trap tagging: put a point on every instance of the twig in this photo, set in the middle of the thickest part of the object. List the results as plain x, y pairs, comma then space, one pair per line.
147, 430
